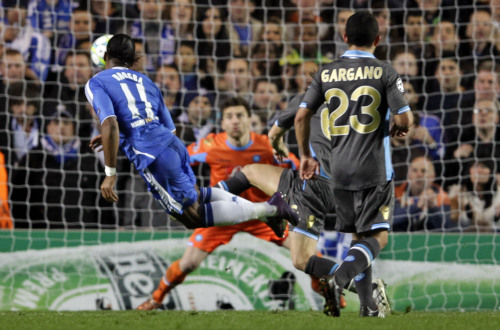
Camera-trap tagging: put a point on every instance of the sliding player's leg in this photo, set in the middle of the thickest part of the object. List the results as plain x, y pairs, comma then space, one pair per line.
172, 182
202, 242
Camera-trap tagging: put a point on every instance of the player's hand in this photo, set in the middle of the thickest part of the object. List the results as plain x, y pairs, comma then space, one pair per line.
280, 151
398, 131
96, 143
309, 168
108, 189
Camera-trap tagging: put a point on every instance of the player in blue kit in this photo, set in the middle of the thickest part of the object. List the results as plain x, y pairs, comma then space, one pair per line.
134, 118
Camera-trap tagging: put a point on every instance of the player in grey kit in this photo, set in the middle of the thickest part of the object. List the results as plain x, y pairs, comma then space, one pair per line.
359, 90
312, 199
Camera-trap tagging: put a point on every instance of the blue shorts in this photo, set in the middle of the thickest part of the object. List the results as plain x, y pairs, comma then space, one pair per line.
170, 178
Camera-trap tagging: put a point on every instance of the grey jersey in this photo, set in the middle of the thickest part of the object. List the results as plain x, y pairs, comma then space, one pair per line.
359, 90
320, 144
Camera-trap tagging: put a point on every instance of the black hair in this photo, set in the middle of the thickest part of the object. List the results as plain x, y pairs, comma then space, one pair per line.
234, 102
361, 29
23, 93
414, 12
122, 49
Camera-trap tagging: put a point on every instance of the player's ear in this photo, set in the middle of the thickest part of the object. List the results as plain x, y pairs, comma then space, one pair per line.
345, 38
376, 41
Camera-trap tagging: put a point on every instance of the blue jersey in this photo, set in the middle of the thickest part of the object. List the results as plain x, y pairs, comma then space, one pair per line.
146, 127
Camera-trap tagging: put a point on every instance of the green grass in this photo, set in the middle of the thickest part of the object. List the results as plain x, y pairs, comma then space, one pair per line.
243, 320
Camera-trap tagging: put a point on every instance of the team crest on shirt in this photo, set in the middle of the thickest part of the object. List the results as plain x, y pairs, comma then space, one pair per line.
399, 85
385, 210
310, 221
256, 158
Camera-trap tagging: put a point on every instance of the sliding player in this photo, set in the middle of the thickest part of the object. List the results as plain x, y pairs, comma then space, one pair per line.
226, 153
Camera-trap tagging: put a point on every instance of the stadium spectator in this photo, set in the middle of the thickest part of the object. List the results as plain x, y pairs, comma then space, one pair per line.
158, 35
444, 43
388, 36
62, 197
266, 98
478, 141
407, 66
265, 60
418, 142
50, 17
428, 128
21, 122
479, 43
342, 15
191, 79
242, 26
435, 10
449, 102
12, 69
181, 15
305, 71
237, 81
110, 16
214, 48
274, 32
421, 204
415, 32
18, 34
82, 28
198, 120
475, 204
487, 81
305, 45
169, 81
69, 90
5, 217
236, 147
258, 123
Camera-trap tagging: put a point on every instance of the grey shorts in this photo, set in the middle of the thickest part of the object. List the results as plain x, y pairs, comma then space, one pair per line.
312, 199
361, 211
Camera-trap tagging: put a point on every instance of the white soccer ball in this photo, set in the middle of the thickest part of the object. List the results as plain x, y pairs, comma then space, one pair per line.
98, 50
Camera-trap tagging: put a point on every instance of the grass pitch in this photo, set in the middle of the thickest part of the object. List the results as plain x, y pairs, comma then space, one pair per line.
287, 320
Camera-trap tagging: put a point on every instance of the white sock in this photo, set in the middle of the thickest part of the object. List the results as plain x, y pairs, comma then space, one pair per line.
212, 194
223, 213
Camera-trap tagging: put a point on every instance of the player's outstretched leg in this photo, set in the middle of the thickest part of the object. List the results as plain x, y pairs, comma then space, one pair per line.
173, 277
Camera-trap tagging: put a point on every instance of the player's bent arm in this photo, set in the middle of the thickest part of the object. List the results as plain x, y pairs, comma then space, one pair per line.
402, 123
276, 138
110, 137
302, 131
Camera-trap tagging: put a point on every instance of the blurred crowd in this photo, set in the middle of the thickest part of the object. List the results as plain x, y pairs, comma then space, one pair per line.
201, 52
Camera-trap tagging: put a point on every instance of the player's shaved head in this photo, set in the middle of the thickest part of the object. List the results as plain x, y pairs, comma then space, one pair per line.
361, 29
122, 49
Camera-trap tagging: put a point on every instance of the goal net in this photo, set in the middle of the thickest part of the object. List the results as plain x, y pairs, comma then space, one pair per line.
443, 251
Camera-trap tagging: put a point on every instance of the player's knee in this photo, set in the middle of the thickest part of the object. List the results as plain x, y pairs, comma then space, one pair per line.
300, 260
382, 238
248, 170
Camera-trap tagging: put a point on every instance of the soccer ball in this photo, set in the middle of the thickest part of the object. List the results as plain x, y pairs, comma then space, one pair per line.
98, 50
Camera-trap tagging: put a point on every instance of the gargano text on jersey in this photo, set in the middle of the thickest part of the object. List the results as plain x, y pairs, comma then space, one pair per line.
342, 74
127, 75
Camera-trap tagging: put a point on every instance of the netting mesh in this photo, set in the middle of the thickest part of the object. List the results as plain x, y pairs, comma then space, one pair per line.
201, 52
